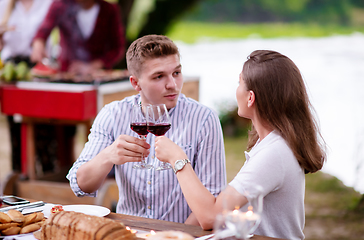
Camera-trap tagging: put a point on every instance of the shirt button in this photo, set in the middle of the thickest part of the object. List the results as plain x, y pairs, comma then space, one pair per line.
149, 182
149, 207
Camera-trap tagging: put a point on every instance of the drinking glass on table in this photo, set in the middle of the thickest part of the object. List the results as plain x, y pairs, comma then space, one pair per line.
254, 208
239, 222
158, 123
138, 124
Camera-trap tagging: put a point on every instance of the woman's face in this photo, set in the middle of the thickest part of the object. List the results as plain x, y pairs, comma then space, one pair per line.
242, 97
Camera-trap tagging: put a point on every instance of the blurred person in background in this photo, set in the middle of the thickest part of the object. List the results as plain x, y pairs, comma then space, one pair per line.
19, 22
91, 35
91, 38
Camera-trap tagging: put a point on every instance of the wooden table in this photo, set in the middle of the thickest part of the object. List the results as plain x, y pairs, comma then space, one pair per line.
147, 224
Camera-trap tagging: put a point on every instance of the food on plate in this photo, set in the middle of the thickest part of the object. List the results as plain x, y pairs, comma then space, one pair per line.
11, 231
40, 70
31, 228
19, 223
4, 218
57, 208
5, 226
100, 75
16, 216
170, 235
74, 225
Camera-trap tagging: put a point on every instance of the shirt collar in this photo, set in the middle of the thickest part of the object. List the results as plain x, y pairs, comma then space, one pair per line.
261, 144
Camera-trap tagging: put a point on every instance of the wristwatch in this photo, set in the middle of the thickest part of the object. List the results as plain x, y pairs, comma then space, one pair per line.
180, 164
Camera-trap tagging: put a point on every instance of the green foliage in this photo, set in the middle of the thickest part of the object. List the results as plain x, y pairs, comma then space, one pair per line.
321, 11
338, 195
232, 124
191, 32
235, 157
284, 6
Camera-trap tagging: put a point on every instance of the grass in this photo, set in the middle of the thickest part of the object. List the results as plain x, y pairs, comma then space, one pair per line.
330, 206
191, 32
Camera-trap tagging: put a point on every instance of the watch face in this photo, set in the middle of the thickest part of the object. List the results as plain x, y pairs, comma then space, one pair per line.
179, 165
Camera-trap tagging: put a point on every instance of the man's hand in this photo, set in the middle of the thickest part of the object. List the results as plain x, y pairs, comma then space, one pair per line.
38, 51
92, 174
84, 68
127, 149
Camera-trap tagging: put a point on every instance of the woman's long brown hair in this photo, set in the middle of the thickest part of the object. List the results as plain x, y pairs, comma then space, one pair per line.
282, 101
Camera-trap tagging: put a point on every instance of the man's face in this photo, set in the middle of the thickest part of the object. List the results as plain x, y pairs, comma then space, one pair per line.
160, 81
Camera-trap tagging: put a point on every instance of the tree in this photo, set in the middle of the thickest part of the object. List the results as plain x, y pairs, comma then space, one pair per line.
158, 20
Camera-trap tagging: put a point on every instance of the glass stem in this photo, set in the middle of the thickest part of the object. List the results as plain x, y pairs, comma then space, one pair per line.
143, 161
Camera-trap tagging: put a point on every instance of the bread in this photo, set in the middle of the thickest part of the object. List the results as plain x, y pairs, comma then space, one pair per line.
16, 216
4, 218
14, 222
73, 226
30, 228
11, 231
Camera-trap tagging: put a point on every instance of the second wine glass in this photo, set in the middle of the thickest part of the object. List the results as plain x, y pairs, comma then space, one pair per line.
138, 124
158, 123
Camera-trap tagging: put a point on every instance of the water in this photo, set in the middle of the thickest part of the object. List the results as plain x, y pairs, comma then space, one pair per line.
333, 68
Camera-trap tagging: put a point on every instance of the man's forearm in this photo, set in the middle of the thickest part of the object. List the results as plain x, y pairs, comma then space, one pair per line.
92, 174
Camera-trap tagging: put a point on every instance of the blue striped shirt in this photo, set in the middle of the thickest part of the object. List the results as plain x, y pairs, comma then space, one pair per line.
157, 194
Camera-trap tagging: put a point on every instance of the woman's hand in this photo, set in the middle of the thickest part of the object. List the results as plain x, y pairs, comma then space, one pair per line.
168, 151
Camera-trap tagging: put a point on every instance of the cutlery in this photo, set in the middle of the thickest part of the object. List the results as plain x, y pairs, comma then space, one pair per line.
20, 208
206, 237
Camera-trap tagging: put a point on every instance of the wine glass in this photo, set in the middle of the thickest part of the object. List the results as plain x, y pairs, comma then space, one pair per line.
253, 210
158, 123
138, 124
239, 222
231, 225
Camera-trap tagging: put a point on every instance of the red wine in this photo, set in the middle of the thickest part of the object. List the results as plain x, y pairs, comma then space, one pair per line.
1, 201
139, 128
159, 129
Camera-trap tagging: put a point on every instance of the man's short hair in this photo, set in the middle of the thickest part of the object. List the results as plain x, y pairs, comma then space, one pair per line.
146, 48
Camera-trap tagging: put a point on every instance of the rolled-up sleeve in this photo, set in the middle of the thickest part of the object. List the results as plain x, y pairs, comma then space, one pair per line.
99, 138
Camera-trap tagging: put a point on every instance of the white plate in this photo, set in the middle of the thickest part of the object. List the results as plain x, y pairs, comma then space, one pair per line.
26, 236
86, 209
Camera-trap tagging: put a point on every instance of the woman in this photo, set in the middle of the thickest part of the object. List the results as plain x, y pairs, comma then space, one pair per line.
283, 146
20, 20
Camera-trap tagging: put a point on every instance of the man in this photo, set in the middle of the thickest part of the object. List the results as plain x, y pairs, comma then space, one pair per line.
154, 64
92, 35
